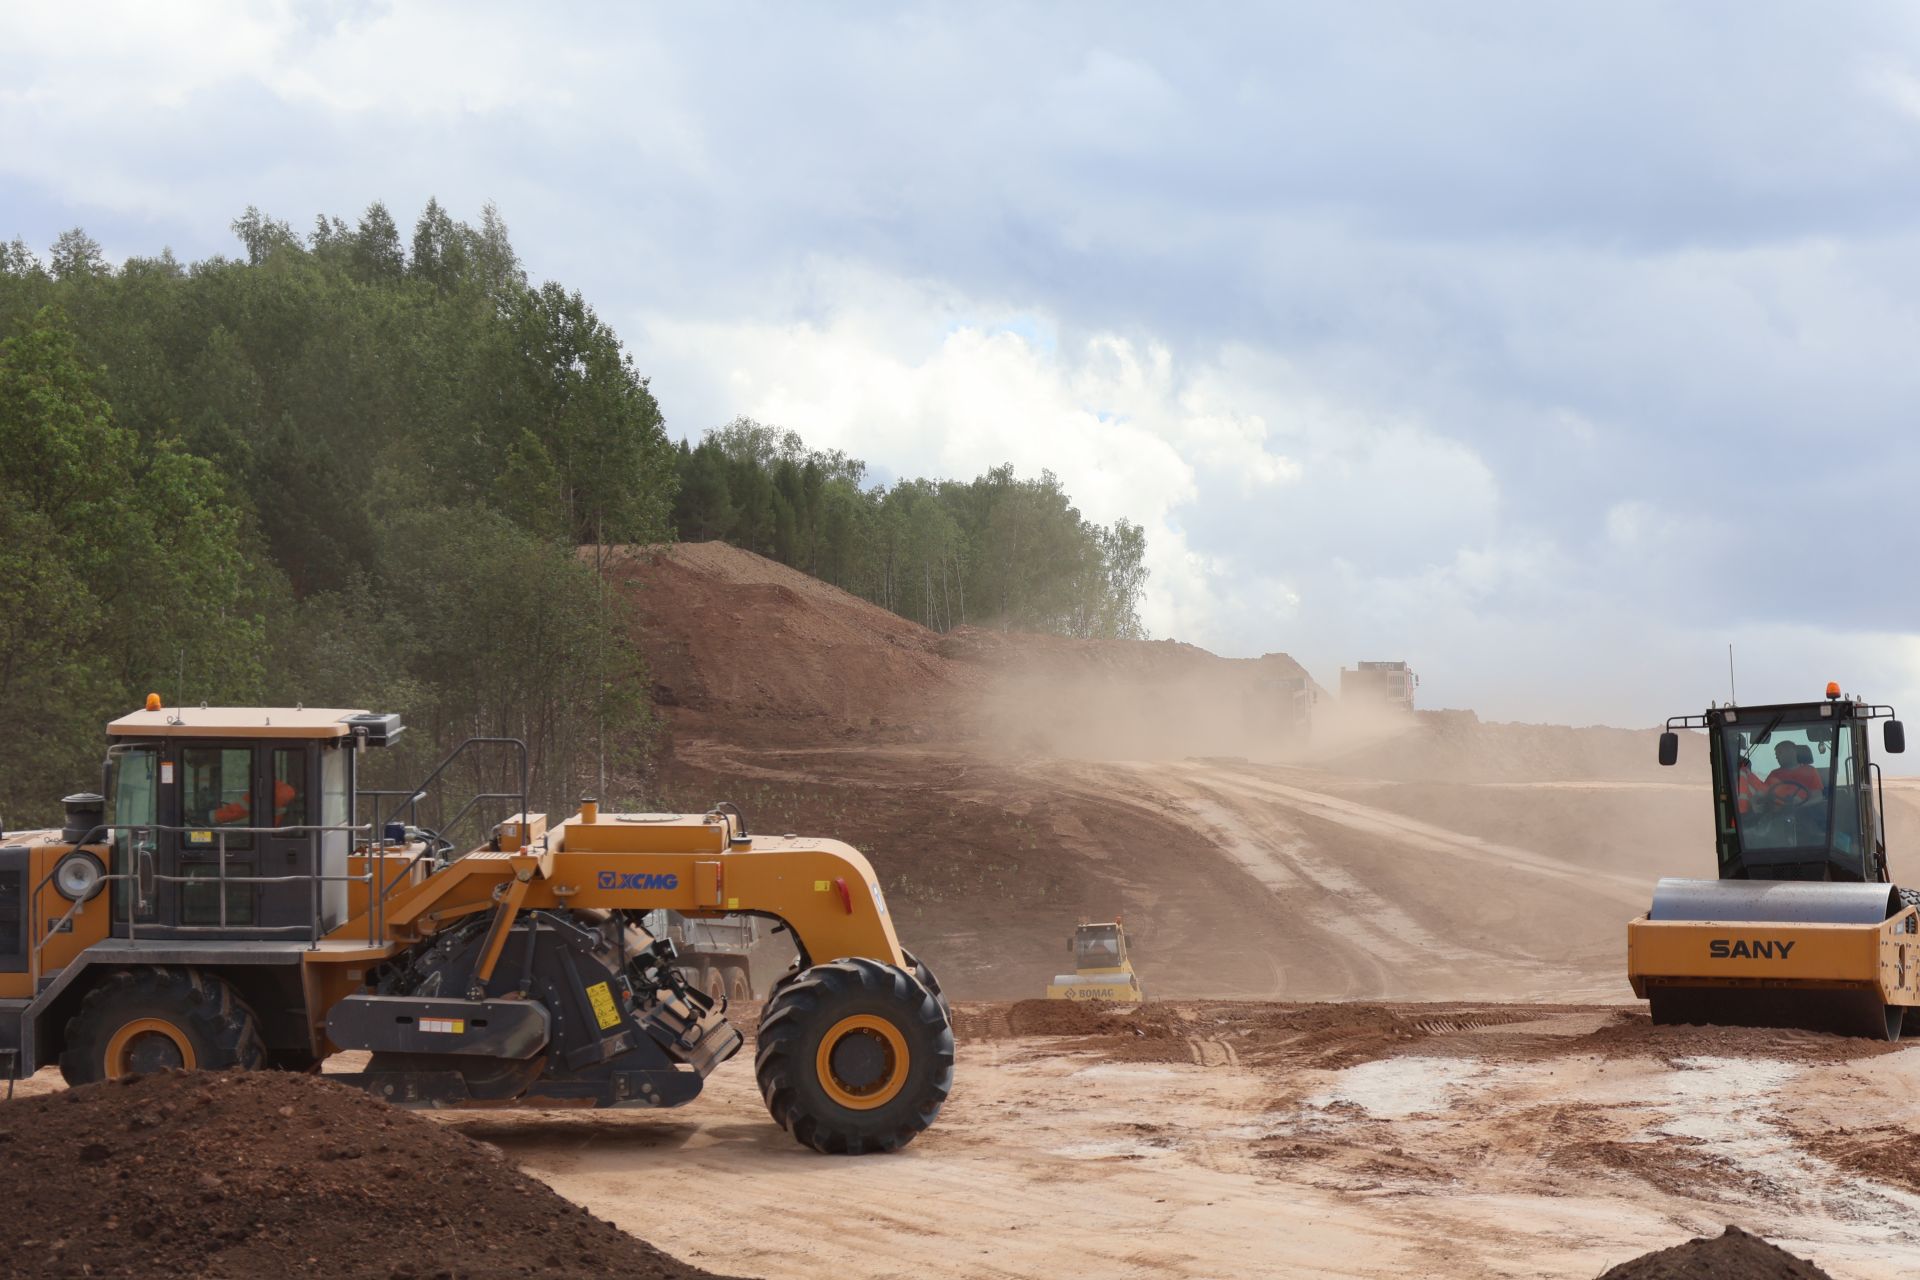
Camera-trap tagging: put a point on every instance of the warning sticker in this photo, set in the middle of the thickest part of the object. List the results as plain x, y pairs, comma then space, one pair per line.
605, 1012
445, 1026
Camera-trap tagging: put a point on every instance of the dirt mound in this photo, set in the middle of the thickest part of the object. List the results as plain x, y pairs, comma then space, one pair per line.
1132, 699
1326, 1035
1888, 1153
734, 634
1456, 746
267, 1173
1633, 1035
1732, 1255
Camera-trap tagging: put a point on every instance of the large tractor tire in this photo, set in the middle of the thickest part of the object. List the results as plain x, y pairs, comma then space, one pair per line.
138, 1021
714, 983
739, 986
927, 980
855, 1057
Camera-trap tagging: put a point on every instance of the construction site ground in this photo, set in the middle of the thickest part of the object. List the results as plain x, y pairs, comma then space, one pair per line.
1216, 1139
1246, 1138
1388, 1030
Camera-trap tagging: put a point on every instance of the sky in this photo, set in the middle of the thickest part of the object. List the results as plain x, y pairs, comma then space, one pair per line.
1550, 348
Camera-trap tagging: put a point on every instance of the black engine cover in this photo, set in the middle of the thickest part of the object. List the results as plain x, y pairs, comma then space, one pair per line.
620, 1028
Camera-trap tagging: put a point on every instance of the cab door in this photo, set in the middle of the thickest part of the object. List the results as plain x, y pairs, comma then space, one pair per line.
288, 773
220, 794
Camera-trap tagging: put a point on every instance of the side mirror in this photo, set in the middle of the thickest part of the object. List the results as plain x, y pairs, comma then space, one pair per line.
1670, 747
1896, 737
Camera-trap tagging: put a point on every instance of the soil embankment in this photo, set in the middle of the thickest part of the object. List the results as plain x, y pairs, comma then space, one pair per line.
263, 1173
1007, 785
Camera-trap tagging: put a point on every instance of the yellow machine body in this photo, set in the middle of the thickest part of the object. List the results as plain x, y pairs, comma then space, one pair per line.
1803, 926
824, 891
1882, 959
1103, 970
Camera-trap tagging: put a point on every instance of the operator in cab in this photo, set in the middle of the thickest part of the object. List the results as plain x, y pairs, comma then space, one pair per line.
1796, 781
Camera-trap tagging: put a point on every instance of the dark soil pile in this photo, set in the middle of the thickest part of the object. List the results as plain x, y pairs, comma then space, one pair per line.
1889, 1153
1733, 1255
733, 637
1635, 1035
1323, 1035
268, 1173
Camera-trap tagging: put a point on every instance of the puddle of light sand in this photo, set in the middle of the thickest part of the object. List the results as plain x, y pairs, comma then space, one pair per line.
1393, 1088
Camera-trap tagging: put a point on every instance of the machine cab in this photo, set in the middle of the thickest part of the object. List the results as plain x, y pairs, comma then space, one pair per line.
1099, 946
1795, 790
229, 821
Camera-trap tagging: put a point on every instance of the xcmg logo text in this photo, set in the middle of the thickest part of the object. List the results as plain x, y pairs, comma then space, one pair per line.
638, 880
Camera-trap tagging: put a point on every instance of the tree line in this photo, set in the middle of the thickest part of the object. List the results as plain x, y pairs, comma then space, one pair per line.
356, 467
348, 468
996, 550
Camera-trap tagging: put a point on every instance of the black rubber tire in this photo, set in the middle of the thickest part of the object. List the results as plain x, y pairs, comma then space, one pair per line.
798, 1018
1909, 897
781, 983
927, 980
1846, 1013
208, 1014
739, 985
714, 983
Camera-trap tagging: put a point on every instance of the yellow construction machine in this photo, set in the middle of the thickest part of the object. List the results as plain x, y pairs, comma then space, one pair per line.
1102, 969
1802, 927
237, 899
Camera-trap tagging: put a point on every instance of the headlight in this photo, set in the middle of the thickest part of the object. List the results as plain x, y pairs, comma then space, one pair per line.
78, 876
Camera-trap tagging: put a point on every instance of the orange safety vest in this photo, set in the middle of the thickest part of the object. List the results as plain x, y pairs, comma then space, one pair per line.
283, 794
1796, 783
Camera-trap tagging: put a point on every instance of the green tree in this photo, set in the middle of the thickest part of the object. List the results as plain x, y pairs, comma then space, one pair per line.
121, 566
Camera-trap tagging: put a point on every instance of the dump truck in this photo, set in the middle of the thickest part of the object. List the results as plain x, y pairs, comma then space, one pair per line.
234, 898
1102, 968
1386, 684
728, 956
1802, 926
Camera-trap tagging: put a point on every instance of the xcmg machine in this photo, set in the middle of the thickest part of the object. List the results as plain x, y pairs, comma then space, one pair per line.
220, 905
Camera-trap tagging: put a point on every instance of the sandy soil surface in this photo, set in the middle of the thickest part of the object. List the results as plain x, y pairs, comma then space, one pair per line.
1213, 1139
1432, 859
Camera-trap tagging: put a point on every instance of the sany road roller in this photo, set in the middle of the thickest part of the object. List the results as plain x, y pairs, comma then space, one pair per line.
234, 898
1802, 927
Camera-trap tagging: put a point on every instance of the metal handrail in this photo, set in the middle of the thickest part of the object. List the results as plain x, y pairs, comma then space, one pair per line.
419, 791
106, 832
374, 846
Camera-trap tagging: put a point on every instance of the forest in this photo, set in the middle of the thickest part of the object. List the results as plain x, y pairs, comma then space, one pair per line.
355, 467
995, 550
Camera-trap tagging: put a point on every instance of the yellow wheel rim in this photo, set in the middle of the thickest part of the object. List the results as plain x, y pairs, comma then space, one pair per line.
136, 1035
862, 1062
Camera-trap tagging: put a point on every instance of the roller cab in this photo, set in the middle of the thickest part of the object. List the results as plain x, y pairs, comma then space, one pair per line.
1802, 927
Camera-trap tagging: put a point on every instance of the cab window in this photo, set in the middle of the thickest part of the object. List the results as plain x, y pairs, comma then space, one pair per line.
130, 804
217, 791
289, 788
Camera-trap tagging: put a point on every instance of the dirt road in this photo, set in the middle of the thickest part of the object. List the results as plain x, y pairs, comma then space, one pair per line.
1213, 1140
1368, 900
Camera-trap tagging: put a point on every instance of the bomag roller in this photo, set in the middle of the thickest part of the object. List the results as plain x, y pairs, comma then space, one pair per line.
224, 905
1102, 970
1802, 927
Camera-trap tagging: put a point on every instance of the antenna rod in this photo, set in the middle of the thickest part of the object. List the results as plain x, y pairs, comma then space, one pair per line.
1733, 693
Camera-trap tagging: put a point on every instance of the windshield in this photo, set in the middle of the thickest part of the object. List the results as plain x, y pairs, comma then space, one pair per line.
1098, 947
1783, 781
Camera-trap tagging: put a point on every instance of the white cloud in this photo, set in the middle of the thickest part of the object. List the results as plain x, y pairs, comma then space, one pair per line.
1523, 350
